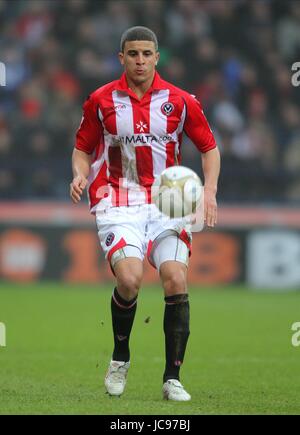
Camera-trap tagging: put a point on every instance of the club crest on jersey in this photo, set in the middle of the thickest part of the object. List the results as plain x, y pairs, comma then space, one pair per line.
167, 108
109, 239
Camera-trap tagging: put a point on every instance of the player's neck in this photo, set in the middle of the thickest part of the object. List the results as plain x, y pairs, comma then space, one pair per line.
140, 88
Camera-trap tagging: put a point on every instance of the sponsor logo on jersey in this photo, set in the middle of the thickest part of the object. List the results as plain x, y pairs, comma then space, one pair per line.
113, 109
141, 139
109, 239
120, 107
167, 108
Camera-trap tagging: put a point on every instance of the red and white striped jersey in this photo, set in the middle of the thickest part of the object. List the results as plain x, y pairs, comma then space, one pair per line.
133, 141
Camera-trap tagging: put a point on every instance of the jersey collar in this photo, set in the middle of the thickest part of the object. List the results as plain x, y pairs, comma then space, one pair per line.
157, 83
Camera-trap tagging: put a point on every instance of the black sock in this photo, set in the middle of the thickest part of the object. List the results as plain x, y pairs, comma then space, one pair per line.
177, 331
123, 313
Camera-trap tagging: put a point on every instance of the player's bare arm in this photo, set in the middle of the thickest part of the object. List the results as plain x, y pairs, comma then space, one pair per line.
81, 163
211, 169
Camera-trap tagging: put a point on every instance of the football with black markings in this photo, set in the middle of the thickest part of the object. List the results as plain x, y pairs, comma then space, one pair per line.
177, 191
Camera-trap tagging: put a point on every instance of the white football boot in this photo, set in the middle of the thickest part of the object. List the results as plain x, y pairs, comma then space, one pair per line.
115, 379
173, 390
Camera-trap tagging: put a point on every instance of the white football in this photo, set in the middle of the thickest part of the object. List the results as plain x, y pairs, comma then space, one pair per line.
177, 191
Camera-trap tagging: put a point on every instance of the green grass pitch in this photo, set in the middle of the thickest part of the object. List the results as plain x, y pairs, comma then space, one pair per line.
239, 360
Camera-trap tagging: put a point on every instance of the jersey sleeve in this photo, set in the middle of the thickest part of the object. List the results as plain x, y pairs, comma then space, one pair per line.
196, 126
90, 130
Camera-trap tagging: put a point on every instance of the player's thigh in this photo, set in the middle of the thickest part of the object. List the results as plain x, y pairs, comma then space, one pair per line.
168, 246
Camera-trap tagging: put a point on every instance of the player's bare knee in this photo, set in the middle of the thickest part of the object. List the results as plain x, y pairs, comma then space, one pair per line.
128, 285
175, 283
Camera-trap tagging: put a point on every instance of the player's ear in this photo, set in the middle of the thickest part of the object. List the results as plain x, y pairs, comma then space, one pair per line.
157, 55
121, 58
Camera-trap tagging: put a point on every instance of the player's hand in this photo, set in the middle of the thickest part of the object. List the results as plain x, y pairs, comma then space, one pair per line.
77, 187
210, 207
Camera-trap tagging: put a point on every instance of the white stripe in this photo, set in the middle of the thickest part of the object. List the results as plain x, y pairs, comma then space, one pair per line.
124, 116
180, 125
100, 116
95, 168
158, 127
107, 202
180, 128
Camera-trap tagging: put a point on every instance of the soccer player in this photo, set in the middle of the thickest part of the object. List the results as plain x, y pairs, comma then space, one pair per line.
131, 130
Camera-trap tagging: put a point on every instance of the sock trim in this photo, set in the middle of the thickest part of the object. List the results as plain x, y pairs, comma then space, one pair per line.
122, 303
177, 299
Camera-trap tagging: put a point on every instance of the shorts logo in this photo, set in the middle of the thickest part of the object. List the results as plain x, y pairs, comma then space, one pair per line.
167, 108
109, 239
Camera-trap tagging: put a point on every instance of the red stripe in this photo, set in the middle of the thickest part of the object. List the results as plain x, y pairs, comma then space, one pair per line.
99, 188
141, 114
150, 245
115, 165
114, 153
144, 164
170, 150
109, 114
185, 238
121, 244
120, 195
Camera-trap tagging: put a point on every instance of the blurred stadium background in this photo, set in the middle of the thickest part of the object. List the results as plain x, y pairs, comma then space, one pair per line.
235, 55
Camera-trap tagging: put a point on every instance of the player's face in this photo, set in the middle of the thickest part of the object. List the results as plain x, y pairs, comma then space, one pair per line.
139, 60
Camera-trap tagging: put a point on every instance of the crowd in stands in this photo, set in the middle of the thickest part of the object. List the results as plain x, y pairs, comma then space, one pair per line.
236, 56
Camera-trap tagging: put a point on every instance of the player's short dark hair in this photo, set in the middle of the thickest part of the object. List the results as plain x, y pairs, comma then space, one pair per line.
138, 33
